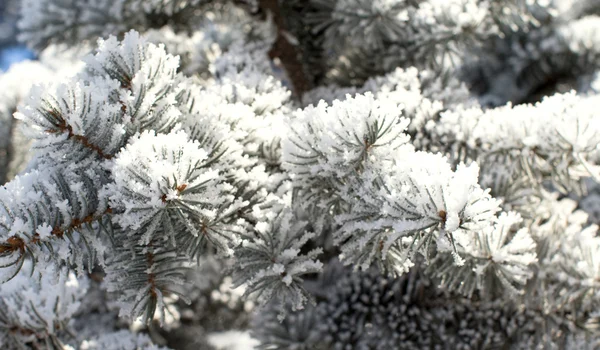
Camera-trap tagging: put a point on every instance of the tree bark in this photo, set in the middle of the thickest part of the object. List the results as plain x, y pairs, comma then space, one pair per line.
284, 50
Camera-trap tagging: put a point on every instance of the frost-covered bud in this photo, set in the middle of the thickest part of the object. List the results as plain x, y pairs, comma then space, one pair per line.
164, 186
271, 264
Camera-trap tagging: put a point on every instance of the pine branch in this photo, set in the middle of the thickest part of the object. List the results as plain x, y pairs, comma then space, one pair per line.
63, 127
270, 263
24, 246
35, 308
143, 276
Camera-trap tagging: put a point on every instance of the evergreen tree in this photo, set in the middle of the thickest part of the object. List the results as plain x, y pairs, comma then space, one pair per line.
302, 174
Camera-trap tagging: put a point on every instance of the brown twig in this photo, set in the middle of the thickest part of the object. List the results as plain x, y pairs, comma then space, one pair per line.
15, 243
151, 276
64, 127
77, 223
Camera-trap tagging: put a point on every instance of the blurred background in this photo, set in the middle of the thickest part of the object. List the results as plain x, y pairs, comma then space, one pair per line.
11, 51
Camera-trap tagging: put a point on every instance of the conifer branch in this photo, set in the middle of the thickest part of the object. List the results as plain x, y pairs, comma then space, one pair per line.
63, 127
16, 243
175, 168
